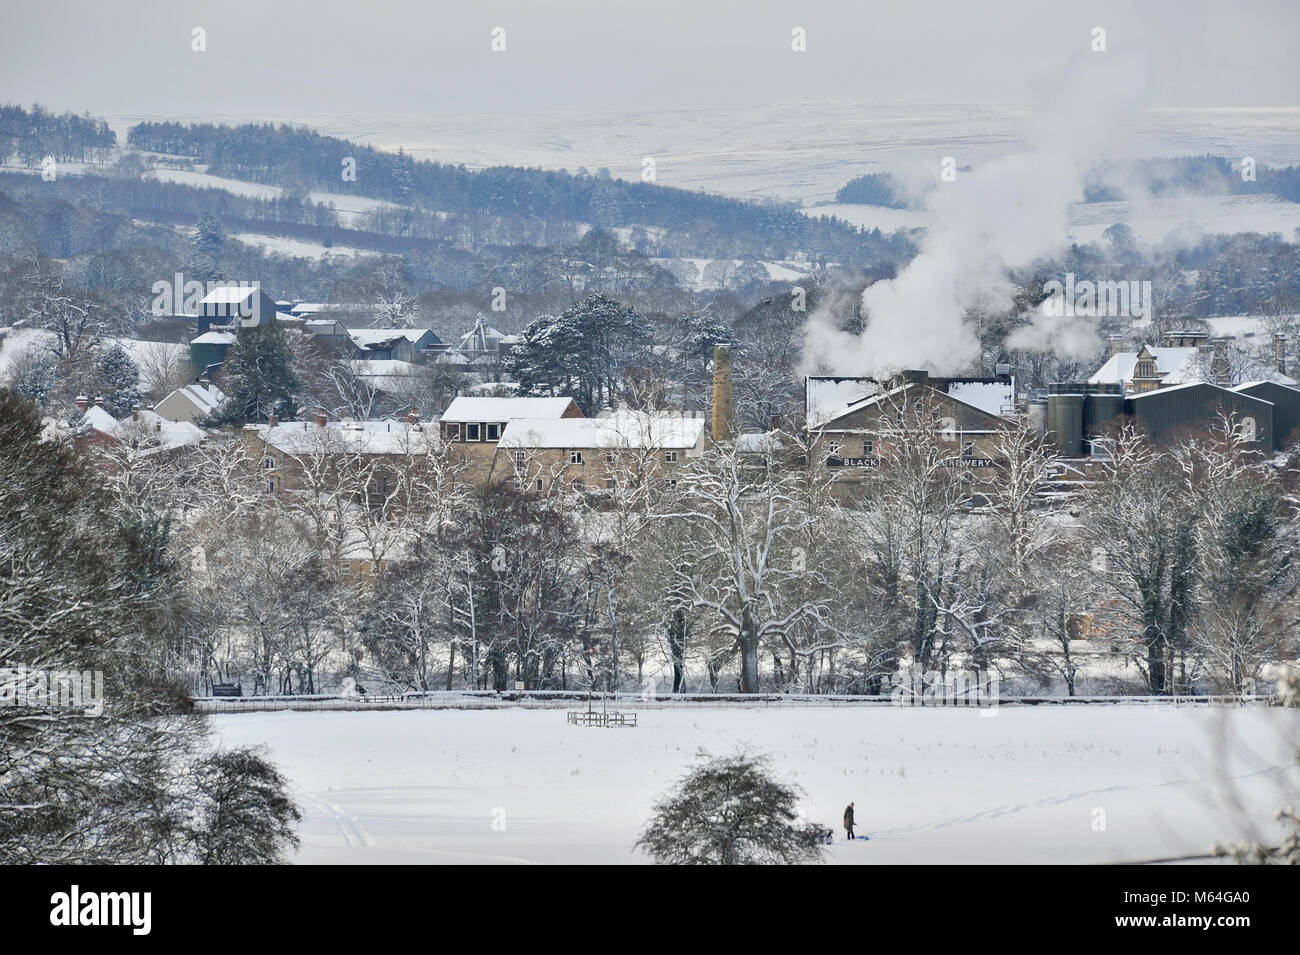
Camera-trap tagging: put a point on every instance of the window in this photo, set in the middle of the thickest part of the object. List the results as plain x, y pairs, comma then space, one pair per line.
610, 484
575, 457
670, 457
473, 432
493, 432
539, 484
835, 448
671, 484
868, 447
609, 457
270, 486
268, 463
521, 458
968, 449
453, 432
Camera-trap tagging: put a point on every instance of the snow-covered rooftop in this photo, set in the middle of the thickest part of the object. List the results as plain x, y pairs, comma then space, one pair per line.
991, 397
207, 398
142, 426
1176, 364
214, 338
382, 366
487, 409
622, 429
229, 294
363, 437
1180, 365
829, 398
365, 337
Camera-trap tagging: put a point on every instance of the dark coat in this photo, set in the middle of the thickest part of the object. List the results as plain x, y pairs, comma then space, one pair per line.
848, 816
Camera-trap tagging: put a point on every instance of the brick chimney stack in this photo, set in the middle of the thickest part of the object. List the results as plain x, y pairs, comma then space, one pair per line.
1114, 345
83, 403
723, 409
319, 417
413, 417
272, 419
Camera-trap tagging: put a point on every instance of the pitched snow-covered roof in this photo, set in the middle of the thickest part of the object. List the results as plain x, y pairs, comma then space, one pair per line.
99, 420
487, 409
1178, 366
229, 294
366, 337
991, 397
214, 338
206, 398
169, 434
142, 426
382, 368
364, 437
622, 429
830, 398
1162, 390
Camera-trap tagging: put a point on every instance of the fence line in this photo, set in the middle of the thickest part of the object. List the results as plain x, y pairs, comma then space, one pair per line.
562, 699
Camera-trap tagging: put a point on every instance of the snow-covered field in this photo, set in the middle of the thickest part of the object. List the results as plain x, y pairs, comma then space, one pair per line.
1046, 784
298, 248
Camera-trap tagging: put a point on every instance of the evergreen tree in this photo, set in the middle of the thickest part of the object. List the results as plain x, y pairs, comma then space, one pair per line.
209, 244
118, 377
580, 353
259, 377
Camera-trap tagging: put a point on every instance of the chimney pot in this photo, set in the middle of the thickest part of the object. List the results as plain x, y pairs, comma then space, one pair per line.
83, 403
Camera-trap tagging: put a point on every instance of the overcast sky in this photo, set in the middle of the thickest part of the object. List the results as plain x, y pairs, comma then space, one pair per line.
279, 56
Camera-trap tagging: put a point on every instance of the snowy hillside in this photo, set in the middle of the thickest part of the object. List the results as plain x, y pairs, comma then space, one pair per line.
803, 151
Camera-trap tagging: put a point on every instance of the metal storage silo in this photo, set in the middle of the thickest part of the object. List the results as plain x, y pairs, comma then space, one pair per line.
1065, 423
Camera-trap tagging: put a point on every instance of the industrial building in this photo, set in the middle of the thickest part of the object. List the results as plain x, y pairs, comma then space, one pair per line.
1187, 386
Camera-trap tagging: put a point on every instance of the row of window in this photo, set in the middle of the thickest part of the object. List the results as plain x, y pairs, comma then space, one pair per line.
869, 448
489, 431
610, 483
577, 457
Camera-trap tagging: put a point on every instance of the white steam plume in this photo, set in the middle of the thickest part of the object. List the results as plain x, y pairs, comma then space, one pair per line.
1000, 216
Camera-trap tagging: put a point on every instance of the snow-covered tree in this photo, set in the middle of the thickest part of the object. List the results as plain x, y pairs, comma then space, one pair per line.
731, 810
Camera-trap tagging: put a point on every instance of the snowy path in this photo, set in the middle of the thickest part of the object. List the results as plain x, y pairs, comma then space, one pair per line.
1028, 785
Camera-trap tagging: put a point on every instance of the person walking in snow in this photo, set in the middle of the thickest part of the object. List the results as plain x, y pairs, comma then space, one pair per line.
848, 820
